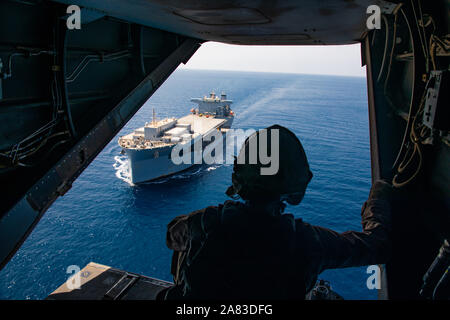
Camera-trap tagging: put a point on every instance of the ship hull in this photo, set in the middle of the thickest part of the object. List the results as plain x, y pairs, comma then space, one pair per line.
155, 163
152, 164
228, 123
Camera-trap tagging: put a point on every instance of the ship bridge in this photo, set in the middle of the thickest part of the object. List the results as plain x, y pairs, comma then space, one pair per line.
213, 103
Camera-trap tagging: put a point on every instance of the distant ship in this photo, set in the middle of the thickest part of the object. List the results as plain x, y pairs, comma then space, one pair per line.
149, 148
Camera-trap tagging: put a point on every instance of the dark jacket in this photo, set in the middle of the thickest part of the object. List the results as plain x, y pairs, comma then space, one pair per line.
231, 251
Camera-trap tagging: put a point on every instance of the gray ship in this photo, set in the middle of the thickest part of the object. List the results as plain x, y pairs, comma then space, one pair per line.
149, 148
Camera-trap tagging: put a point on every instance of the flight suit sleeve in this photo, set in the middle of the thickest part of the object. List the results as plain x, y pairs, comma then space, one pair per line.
182, 228
177, 239
327, 249
178, 233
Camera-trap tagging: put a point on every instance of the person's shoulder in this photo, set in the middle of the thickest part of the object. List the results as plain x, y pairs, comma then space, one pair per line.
301, 226
223, 208
230, 204
210, 215
207, 218
232, 208
214, 209
193, 215
207, 210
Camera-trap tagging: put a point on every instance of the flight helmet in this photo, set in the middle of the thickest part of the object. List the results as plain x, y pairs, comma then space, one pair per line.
262, 181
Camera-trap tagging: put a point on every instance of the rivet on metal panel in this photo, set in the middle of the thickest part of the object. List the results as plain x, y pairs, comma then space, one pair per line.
63, 188
82, 156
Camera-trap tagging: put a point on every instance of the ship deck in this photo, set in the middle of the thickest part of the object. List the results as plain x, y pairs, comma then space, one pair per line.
200, 126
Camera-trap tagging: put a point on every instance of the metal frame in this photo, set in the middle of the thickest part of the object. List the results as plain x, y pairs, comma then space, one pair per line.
17, 223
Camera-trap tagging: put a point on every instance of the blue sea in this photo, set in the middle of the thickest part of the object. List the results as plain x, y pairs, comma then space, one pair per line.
106, 220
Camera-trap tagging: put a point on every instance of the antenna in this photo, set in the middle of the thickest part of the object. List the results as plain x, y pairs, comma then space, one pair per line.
154, 117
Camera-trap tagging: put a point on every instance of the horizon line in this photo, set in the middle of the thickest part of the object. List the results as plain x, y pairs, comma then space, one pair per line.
182, 67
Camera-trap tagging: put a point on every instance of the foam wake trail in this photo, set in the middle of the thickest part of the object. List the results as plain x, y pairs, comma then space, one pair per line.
263, 102
199, 169
122, 168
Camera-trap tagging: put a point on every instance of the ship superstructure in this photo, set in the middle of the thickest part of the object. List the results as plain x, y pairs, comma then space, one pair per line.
214, 105
149, 148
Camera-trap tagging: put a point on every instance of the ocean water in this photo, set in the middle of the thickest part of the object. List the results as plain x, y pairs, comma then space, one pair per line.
106, 220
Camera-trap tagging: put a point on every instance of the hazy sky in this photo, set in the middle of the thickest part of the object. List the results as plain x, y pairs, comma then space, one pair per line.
335, 60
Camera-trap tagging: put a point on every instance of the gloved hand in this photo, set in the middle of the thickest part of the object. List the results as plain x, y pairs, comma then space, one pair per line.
381, 190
